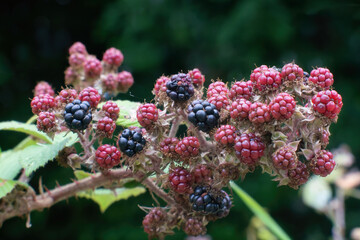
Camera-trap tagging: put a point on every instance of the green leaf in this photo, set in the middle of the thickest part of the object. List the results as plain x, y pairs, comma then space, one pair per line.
127, 115
26, 142
80, 174
7, 185
105, 197
260, 212
24, 128
9, 164
38, 155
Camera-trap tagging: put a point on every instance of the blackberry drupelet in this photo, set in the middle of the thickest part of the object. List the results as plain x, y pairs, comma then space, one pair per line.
78, 115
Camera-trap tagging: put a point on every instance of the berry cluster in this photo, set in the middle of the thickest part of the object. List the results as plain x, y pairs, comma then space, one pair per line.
278, 120
86, 70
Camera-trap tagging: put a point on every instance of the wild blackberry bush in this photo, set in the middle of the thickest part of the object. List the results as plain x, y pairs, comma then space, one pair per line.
278, 121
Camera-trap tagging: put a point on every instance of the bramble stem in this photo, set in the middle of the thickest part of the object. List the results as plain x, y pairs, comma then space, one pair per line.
31, 202
175, 126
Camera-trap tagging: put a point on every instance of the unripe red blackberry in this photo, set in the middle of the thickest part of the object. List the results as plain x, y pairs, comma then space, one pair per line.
240, 90
124, 81
111, 110
197, 78
188, 147
70, 76
202, 174
106, 126
179, 88
90, 95
225, 135
92, 67
154, 221
43, 88
65, 96
322, 77
160, 85
180, 180
239, 109
217, 88
109, 82
167, 147
220, 101
298, 176
107, 156
228, 171
264, 78
46, 121
76, 60
147, 114
113, 57
77, 47
291, 72
194, 227
323, 164
42, 103
259, 113
285, 158
249, 148
282, 106
327, 103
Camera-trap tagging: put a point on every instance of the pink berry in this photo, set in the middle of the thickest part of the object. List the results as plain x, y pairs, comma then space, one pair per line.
239, 109
106, 126
285, 158
259, 113
264, 78
90, 95
92, 67
291, 72
323, 164
113, 57
77, 47
42, 103
249, 148
109, 82
197, 78
107, 156
298, 176
46, 121
76, 60
282, 106
160, 85
322, 77
327, 103
43, 88
167, 147
111, 110
180, 180
220, 101
147, 114
66, 96
124, 81
225, 135
188, 147
217, 88
240, 90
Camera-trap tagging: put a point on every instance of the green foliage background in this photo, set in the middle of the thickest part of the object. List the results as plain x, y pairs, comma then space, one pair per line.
224, 39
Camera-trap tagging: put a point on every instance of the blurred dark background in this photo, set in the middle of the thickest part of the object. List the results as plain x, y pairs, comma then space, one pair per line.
224, 39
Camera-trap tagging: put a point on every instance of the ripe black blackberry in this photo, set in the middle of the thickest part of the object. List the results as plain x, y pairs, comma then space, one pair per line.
131, 142
78, 115
180, 87
203, 115
208, 201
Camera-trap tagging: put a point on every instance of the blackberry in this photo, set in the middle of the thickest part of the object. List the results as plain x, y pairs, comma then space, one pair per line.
208, 201
203, 115
131, 142
180, 87
78, 115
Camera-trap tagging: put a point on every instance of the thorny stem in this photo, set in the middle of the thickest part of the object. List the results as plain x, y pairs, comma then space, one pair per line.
38, 202
175, 126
